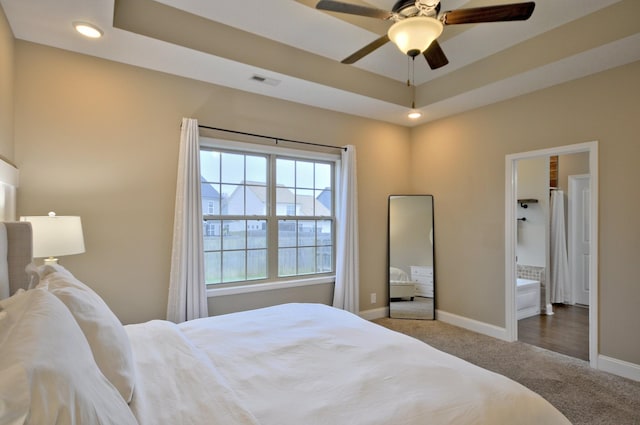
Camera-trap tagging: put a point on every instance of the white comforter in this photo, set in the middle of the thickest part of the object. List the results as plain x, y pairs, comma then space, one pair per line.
306, 364
176, 384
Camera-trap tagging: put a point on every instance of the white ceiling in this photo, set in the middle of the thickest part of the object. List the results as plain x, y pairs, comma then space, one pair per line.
300, 47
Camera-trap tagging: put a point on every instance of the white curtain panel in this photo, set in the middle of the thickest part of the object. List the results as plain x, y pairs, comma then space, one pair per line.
346, 291
559, 279
187, 294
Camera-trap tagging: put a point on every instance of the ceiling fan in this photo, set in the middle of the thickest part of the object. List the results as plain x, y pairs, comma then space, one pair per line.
418, 24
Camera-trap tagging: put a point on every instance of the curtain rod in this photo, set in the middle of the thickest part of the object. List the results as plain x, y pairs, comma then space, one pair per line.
275, 139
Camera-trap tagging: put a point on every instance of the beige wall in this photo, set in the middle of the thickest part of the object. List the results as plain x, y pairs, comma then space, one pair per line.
569, 165
461, 160
100, 139
533, 183
6, 88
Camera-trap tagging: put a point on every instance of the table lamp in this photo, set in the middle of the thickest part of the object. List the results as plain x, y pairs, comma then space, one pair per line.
55, 235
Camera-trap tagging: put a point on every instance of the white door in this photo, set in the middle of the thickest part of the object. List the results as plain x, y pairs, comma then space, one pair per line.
579, 241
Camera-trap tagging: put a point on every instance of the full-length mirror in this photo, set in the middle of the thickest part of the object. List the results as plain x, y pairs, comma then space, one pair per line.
411, 257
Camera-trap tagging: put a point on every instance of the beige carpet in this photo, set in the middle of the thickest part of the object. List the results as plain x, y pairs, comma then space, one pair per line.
418, 308
583, 395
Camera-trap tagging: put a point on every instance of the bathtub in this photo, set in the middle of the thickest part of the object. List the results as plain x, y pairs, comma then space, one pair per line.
527, 298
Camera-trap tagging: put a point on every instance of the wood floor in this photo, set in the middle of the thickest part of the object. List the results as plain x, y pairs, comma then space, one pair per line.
566, 331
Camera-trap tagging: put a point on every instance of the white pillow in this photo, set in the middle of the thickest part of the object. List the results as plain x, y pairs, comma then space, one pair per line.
106, 335
48, 373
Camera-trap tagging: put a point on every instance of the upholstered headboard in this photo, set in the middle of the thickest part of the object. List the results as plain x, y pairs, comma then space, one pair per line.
19, 253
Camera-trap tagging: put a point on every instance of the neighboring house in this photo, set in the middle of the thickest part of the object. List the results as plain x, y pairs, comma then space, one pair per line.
287, 203
325, 198
251, 203
210, 205
254, 202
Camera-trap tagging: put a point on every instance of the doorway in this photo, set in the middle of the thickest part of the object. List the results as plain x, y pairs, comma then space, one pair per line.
590, 234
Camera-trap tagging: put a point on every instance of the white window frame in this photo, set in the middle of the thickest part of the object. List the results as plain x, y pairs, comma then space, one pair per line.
243, 287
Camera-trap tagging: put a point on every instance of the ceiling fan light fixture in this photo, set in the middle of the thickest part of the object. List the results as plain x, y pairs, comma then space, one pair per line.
414, 35
414, 115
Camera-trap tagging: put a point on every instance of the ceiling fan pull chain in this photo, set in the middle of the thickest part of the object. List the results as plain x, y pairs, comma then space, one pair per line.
413, 82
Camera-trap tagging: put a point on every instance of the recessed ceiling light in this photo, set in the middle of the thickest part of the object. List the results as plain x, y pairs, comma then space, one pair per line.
88, 30
414, 115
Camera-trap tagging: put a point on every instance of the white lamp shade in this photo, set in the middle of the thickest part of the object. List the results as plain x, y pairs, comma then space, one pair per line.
56, 235
415, 34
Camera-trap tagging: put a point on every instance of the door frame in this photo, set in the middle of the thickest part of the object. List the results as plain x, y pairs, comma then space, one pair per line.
511, 321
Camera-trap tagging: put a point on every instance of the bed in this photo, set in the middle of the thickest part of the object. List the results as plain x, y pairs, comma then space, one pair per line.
400, 286
66, 359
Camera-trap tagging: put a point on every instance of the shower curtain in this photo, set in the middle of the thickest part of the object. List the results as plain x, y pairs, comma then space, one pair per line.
559, 279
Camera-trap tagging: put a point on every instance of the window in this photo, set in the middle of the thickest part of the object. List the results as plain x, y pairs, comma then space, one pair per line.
267, 216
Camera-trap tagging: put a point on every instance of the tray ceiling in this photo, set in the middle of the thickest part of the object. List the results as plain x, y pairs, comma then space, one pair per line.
297, 49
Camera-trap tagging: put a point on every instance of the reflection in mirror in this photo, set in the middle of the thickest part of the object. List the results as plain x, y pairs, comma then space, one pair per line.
411, 257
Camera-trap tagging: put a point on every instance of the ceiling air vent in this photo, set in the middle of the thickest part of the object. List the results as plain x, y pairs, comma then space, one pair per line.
265, 80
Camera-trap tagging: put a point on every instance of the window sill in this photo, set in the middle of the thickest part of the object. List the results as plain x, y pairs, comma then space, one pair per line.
261, 287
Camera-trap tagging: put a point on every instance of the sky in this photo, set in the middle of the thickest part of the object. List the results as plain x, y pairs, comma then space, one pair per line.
290, 173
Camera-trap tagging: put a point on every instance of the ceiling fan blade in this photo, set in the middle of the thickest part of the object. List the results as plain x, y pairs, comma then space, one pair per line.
353, 9
435, 56
474, 15
366, 50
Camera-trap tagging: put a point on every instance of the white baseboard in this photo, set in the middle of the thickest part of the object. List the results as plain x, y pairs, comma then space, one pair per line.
619, 367
472, 325
376, 313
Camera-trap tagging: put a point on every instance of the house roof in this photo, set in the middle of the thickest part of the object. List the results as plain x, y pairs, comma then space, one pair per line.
207, 190
308, 204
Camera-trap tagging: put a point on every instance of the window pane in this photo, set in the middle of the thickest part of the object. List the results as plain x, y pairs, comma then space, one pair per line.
257, 264
287, 233
324, 232
212, 267
304, 174
210, 165
306, 233
232, 199
256, 200
232, 168
238, 186
323, 176
306, 260
324, 259
233, 234
286, 262
306, 202
324, 199
210, 198
256, 234
233, 266
285, 172
212, 235
285, 201
256, 169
